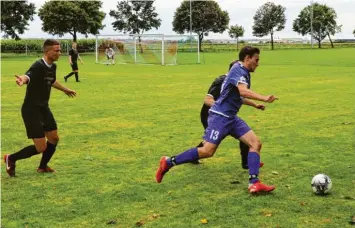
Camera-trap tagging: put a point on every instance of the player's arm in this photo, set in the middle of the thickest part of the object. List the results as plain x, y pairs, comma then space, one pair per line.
80, 59
69, 92
70, 62
247, 93
209, 100
22, 79
252, 104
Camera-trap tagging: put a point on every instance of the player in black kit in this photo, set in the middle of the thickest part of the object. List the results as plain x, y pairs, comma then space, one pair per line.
73, 61
40, 124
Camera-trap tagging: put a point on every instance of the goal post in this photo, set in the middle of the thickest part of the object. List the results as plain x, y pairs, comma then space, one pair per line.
148, 49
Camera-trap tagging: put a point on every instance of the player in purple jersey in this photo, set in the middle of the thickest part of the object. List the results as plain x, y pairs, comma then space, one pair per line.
212, 95
222, 121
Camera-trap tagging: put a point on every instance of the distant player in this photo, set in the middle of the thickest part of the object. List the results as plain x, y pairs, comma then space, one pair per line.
38, 118
110, 54
222, 121
73, 61
212, 95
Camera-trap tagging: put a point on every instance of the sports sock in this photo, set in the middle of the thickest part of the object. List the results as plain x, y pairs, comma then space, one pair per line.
185, 157
76, 76
70, 74
47, 155
244, 151
254, 165
26, 152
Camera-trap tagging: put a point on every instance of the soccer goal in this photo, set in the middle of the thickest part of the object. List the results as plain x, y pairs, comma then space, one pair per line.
148, 49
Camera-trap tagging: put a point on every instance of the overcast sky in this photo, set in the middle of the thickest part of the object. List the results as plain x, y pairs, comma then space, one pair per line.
241, 12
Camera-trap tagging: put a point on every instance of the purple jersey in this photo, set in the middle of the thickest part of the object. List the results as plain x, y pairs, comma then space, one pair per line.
230, 101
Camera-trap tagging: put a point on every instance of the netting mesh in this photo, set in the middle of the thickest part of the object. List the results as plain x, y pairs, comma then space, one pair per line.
149, 49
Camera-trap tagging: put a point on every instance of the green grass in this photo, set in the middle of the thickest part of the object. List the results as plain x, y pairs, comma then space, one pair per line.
127, 116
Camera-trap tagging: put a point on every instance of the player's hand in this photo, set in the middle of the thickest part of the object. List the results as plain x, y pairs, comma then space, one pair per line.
82, 62
270, 98
70, 63
19, 80
260, 106
70, 93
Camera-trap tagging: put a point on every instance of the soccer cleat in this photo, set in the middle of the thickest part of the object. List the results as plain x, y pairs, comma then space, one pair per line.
163, 168
260, 187
247, 167
65, 78
45, 170
10, 166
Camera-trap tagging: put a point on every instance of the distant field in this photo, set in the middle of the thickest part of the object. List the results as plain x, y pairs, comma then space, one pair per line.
127, 116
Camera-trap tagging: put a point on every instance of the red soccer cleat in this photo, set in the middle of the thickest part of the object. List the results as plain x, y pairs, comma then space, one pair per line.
46, 170
163, 168
260, 187
10, 166
261, 164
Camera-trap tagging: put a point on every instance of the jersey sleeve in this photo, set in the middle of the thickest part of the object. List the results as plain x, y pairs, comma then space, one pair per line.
70, 52
30, 73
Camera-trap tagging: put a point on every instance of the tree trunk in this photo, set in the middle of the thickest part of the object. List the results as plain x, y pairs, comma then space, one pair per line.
272, 41
74, 36
237, 45
331, 42
319, 45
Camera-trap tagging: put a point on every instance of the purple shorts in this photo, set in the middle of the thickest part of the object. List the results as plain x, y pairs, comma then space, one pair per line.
220, 126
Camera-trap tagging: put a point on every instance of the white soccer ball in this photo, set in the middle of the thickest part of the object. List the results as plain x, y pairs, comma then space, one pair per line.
321, 184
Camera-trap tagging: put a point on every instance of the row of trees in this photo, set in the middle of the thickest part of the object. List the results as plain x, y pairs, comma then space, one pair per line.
137, 17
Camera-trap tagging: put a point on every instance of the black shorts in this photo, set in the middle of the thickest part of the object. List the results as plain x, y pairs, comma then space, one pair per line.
74, 66
38, 120
109, 57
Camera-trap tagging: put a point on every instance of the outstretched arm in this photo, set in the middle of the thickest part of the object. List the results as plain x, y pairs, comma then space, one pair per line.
21, 80
245, 92
252, 104
69, 92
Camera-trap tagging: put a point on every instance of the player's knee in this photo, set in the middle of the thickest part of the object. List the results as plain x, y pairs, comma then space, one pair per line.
54, 140
256, 146
41, 148
207, 152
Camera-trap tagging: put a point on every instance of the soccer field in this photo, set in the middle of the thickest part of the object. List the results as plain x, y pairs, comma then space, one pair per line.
126, 117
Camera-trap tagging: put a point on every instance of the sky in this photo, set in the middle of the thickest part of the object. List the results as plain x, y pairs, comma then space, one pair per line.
241, 12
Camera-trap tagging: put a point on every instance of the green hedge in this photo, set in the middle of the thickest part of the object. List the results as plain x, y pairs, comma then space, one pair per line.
35, 45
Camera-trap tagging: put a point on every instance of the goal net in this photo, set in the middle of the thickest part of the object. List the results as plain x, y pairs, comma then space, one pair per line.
147, 49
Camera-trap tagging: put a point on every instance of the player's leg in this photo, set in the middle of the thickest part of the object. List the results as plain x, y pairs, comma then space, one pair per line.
71, 73
51, 132
76, 71
113, 59
244, 150
254, 144
32, 119
216, 131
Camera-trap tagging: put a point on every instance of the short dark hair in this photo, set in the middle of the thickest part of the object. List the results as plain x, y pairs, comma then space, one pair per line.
248, 51
231, 64
49, 42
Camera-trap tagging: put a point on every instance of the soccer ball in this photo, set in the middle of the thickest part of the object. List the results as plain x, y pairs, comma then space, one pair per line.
321, 184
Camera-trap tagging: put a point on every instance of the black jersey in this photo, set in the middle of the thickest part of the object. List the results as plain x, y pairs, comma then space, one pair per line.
39, 86
74, 55
215, 92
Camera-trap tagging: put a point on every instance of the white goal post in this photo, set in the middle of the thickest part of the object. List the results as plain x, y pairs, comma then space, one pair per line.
147, 49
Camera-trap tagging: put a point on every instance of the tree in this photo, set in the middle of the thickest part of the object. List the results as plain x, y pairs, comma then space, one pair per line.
268, 19
236, 31
135, 17
60, 17
15, 16
323, 23
354, 32
207, 17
